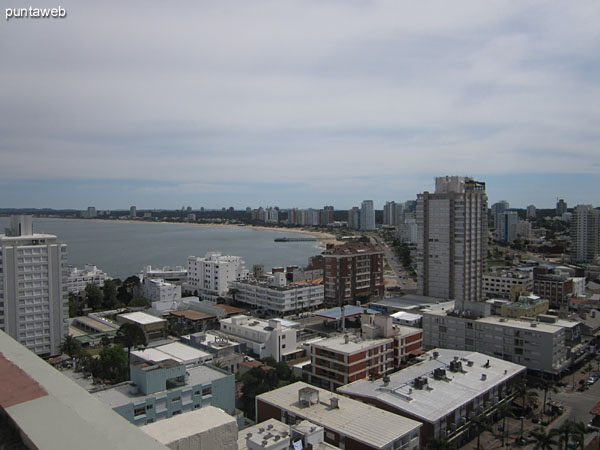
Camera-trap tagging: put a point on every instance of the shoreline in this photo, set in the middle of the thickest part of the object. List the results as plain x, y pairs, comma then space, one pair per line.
323, 238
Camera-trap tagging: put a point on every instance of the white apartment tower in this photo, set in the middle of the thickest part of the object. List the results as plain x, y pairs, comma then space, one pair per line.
452, 239
585, 234
367, 215
211, 275
33, 293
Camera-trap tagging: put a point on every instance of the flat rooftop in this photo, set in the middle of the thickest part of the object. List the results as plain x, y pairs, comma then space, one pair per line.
365, 423
141, 317
94, 324
176, 350
355, 343
349, 311
445, 395
54, 412
186, 425
403, 315
506, 322
120, 395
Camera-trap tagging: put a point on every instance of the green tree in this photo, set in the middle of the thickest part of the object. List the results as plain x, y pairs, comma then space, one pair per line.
71, 346
130, 335
93, 295
125, 291
481, 423
74, 305
541, 439
570, 429
113, 364
255, 382
506, 410
525, 394
109, 294
139, 302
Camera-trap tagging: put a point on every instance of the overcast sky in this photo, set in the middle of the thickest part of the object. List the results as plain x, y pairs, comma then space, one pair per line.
298, 103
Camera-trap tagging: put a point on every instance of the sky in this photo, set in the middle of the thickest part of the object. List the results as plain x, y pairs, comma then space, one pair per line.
298, 103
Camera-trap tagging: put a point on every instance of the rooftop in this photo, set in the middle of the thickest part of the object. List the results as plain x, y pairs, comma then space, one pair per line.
119, 395
176, 350
349, 311
141, 317
506, 322
353, 248
442, 395
402, 315
266, 430
189, 424
354, 344
362, 422
56, 413
191, 314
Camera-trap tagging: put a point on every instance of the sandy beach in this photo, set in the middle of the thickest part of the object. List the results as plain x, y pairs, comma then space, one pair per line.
323, 237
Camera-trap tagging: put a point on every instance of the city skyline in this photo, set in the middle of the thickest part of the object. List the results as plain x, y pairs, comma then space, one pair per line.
299, 104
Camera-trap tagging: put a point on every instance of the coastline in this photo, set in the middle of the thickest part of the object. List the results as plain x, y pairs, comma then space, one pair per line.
322, 237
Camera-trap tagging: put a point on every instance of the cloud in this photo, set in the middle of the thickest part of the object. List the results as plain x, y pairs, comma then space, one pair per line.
328, 95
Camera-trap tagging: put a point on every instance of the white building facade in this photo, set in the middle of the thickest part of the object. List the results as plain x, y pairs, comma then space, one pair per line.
264, 338
276, 296
78, 279
367, 215
210, 276
33, 294
157, 290
536, 345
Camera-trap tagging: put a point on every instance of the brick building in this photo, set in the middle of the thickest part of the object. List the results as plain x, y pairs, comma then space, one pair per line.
353, 272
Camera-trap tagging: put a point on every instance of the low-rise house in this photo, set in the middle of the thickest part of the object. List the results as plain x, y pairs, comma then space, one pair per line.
167, 388
263, 338
181, 353
154, 327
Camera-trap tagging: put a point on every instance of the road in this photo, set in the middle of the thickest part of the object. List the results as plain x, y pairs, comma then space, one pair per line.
399, 276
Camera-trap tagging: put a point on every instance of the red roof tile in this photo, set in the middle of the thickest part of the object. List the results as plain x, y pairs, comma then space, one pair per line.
16, 386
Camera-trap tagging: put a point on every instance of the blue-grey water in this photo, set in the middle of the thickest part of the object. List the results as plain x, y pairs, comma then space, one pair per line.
124, 248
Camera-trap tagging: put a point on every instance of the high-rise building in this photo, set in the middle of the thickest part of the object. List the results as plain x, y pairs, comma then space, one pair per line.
496, 210
531, 212
367, 215
354, 218
326, 216
33, 303
133, 212
585, 234
506, 230
561, 207
452, 239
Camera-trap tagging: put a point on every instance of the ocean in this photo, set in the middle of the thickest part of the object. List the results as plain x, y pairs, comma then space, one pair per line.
124, 248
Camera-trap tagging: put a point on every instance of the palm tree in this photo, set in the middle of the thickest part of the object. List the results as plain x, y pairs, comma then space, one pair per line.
523, 392
505, 409
542, 440
481, 423
545, 385
130, 335
571, 429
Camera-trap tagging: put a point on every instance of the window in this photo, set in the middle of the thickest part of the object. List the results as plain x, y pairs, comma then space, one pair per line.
139, 411
207, 390
176, 399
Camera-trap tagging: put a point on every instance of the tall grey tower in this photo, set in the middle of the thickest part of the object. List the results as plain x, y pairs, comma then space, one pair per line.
33, 304
452, 238
585, 234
